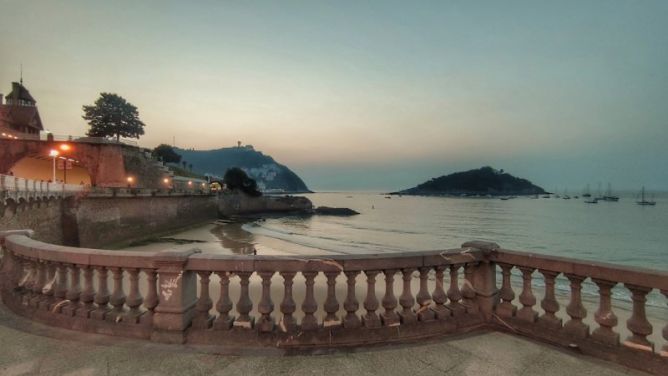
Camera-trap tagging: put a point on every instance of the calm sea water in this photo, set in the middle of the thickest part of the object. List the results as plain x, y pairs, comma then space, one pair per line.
619, 232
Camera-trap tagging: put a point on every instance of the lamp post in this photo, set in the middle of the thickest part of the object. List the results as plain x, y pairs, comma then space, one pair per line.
54, 153
65, 148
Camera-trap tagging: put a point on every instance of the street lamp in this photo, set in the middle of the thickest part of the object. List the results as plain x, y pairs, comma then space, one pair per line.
65, 148
54, 153
130, 180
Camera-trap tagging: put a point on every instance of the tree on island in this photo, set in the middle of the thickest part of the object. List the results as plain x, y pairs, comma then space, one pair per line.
166, 153
237, 179
113, 116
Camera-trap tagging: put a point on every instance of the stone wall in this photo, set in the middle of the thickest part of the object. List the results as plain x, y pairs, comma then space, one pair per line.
230, 204
121, 220
44, 217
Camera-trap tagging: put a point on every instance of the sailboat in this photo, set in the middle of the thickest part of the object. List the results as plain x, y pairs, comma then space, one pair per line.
586, 192
566, 196
609, 196
642, 199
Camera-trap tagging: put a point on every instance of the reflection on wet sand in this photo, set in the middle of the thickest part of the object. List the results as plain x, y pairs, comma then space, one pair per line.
233, 237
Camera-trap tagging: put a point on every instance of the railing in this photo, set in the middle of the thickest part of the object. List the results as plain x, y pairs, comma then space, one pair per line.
310, 302
195, 190
86, 139
16, 187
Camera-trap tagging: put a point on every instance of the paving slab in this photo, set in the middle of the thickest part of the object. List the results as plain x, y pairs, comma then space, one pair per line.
29, 348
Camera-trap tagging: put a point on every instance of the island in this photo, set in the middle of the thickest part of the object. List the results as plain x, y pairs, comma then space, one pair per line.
485, 181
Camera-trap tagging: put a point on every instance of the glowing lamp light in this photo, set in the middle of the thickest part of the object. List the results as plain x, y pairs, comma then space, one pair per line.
130, 179
190, 183
65, 147
53, 153
166, 181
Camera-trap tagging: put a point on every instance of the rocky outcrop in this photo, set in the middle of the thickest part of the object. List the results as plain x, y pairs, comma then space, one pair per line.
342, 212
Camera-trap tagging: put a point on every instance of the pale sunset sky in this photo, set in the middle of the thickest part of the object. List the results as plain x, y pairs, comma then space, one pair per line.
367, 95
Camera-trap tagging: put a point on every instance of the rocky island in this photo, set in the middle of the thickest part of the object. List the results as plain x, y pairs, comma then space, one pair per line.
479, 182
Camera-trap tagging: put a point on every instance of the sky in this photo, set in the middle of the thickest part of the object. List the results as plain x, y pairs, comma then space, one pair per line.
367, 95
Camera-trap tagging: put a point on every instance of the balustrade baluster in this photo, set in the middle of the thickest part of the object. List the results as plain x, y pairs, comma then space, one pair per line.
288, 305
506, 308
370, 318
117, 298
38, 285
406, 300
439, 296
87, 294
637, 323
27, 282
528, 300
202, 319
424, 298
468, 292
61, 288
390, 316
664, 348
309, 306
351, 305
151, 300
331, 304
245, 304
454, 294
549, 303
134, 298
102, 296
224, 304
604, 316
266, 306
49, 288
73, 292
575, 309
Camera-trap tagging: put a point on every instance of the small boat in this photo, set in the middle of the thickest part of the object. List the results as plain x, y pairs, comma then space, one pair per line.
591, 201
546, 196
609, 196
504, 198
586, 192
643, 201
566, 196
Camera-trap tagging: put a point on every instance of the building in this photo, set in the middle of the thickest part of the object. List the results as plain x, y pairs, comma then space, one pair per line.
18, 114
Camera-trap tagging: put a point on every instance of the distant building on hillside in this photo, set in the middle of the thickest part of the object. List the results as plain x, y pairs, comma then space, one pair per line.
19, 115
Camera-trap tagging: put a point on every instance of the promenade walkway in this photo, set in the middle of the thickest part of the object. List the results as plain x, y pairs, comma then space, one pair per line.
29, 348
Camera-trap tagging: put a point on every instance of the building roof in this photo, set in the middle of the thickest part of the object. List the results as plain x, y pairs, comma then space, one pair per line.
17, 116
19, 92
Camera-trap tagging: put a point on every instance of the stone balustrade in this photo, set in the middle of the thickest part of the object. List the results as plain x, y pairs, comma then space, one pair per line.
285, 302
17, 189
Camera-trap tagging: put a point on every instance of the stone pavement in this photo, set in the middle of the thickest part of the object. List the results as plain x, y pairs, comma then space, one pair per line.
29, 348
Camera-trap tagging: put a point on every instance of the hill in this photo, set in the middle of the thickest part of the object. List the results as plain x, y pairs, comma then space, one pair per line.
270, 175
482, 181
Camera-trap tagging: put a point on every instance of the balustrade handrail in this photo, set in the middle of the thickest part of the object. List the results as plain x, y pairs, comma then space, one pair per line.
18, 184
23, 245
637, 276
339, 262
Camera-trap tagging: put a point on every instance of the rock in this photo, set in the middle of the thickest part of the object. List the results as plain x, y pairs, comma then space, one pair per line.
325, 210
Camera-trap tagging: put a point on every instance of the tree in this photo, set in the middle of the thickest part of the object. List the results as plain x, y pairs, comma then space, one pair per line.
190, 167
184, 163
166, 153
113, 116
236, 179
